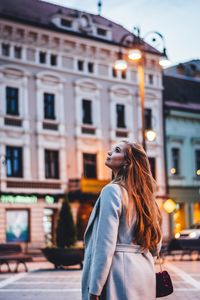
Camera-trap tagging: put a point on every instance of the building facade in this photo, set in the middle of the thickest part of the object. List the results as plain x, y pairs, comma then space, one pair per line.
182, 117
63, 106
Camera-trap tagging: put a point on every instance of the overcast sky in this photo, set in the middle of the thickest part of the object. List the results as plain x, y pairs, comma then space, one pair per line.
177, 20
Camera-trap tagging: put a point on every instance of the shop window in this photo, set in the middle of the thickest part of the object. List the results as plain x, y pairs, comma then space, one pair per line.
5, 48
90, 67
83, 215
87, 111
150, 79
49, 106
14, 162
17, 226
12, 101
48, 223
42, 57
89, 165
120, 110
18, 52
52, 164
179, 218
147, 118
80, 65
152, 162
175, 170
196, 213
53, 60
197, 161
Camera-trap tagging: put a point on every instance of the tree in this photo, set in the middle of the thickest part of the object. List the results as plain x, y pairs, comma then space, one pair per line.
66, 230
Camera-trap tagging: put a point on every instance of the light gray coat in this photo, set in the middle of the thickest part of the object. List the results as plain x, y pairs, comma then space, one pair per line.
114, 267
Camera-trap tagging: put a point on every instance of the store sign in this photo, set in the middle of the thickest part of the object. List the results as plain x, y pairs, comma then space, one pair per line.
49, 199
18, 199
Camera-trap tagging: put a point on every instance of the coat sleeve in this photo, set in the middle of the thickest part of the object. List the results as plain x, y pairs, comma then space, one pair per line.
106, 237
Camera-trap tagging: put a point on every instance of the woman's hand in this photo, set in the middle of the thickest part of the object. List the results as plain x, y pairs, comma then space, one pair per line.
94, 297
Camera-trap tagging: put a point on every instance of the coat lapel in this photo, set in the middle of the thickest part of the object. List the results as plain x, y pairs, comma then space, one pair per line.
91, 220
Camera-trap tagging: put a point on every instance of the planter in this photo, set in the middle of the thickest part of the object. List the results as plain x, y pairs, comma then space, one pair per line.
62, 257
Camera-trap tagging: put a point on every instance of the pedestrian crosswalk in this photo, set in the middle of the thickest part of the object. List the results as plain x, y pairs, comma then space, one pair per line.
66, 284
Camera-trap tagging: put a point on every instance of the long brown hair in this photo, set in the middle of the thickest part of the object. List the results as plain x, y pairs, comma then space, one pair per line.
137, 178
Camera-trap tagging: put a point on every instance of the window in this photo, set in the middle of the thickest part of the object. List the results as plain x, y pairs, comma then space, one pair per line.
197, 158
175, 170
87, 111
152, 162
51, 164
101, 31
114, 72
120, 109
66, 23
18, 52
5, 49
17, 225
12, 101
123, 74
90, 67
49, 106
53, 60
48, 225
147, 118
89, 165
80, 65
150, 78
14, 164
42, 57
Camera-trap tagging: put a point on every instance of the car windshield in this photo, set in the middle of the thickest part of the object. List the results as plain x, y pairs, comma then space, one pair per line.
195, 226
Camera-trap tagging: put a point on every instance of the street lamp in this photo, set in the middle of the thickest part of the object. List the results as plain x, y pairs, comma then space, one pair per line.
136, 52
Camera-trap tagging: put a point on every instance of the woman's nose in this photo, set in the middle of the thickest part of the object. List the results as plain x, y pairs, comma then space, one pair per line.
109, 153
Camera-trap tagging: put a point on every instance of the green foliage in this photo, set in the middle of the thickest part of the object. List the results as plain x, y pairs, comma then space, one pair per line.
66, 230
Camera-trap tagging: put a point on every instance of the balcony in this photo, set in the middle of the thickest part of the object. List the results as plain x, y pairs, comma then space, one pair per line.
86, 185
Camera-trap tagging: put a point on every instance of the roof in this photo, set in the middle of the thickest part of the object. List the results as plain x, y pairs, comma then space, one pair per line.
188, 70
181, 94
39, 13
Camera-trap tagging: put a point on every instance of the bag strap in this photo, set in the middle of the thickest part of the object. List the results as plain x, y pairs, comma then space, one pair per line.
160, 263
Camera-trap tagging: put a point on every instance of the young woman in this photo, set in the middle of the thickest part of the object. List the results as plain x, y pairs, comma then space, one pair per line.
123, 231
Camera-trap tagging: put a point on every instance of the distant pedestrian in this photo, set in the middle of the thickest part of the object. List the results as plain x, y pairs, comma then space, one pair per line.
124, 231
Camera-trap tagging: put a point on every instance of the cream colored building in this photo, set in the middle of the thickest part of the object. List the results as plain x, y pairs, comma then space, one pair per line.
62, 108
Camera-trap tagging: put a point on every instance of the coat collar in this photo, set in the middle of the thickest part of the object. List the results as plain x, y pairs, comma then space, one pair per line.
91, 220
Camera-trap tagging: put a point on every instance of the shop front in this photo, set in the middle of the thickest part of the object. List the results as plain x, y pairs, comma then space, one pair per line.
187, 210
28, 219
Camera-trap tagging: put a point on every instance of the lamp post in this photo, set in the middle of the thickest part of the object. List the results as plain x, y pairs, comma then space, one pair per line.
136, 52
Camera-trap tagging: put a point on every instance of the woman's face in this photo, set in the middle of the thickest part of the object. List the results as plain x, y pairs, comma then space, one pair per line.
115, 159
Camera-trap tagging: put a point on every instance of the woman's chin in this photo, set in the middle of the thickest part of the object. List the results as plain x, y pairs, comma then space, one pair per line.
107, 164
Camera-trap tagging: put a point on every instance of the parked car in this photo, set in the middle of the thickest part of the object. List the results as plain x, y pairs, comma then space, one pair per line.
191, 233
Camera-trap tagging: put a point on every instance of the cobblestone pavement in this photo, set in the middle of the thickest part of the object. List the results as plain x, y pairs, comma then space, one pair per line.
42, 282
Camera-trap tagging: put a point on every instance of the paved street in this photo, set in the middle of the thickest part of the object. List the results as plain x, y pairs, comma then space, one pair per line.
42, 282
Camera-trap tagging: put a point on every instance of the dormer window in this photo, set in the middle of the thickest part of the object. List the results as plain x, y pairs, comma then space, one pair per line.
84, 21
66, 23
101, 31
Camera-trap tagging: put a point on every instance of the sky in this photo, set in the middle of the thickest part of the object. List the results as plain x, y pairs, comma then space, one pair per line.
177, 20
